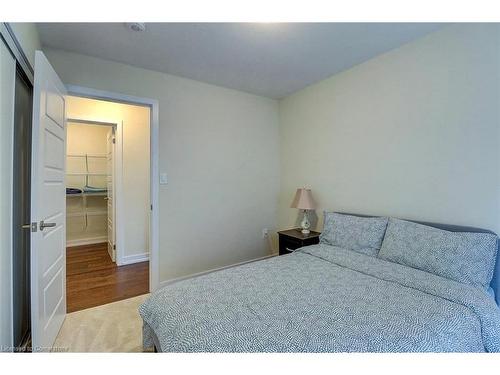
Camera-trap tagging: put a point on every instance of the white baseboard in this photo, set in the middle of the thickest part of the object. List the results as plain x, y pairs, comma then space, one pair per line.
86, 241
136, 258
171, 281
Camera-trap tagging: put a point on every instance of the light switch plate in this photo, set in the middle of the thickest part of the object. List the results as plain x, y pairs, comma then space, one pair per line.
163, 178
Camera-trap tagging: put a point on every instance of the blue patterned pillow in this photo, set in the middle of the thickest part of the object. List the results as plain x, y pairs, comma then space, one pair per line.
361, 234
465, 257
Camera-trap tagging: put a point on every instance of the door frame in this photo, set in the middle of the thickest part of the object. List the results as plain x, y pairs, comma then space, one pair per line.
11, 41
117, 179
86, 92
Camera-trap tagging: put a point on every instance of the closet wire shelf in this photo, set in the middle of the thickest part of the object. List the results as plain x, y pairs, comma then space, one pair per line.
86, 211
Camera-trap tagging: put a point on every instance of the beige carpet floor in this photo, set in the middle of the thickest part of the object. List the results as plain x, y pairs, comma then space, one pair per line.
115, 327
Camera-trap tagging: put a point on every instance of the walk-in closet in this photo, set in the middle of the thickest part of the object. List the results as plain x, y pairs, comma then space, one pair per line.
89, 185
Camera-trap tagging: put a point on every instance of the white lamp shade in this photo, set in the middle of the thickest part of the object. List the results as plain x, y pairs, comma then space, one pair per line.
303, 200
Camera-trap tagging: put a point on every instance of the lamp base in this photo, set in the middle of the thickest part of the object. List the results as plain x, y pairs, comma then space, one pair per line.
305, 225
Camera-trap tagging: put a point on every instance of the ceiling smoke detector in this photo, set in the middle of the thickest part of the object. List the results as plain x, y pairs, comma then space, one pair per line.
136, 26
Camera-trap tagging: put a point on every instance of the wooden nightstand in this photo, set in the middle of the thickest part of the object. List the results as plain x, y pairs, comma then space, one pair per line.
292, 239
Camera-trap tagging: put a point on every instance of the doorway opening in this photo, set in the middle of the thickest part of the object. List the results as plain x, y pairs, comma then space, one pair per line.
107, 201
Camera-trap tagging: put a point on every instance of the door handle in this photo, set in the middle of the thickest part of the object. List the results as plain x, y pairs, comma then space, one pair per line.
31, 226
44, 225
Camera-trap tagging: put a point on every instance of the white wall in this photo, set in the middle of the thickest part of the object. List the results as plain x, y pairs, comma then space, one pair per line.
84, 138
136, 160
413, 133
7, 84
220, 150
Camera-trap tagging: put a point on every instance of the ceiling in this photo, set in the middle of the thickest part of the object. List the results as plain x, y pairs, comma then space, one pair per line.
268, 59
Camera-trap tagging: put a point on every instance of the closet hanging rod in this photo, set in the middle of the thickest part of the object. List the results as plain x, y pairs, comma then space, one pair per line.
87, 174
90, 122
87, 155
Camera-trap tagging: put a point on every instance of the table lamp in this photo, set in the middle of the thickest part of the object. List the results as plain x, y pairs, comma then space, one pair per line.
304, 201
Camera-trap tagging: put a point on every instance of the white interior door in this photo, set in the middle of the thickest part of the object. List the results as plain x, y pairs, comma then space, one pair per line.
110, 187
48, 206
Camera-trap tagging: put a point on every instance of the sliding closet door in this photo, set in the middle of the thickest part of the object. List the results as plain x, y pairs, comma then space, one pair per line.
7, 84
22, 211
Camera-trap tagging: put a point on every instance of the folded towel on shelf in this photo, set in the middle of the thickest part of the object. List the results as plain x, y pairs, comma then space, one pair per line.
73, 191
92, 189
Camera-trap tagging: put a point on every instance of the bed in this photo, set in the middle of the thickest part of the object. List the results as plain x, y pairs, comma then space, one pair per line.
328, 298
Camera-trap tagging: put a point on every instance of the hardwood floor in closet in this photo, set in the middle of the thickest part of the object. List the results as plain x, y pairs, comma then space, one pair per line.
92, 279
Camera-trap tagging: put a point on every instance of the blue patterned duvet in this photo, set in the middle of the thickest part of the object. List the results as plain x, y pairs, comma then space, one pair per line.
321, 299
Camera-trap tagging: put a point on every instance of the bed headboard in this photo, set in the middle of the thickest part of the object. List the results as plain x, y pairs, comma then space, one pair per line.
495, 282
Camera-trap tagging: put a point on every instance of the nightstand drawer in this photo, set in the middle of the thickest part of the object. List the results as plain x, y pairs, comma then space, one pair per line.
291, 242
